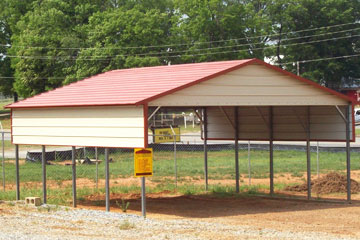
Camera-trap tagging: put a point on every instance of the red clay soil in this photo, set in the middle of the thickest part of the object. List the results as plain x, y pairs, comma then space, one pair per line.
330, 183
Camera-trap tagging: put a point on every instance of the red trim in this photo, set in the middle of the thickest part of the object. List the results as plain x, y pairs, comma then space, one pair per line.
146, 137
283, 140
250, 61
353, 122
69, 106
11, 123
76, 145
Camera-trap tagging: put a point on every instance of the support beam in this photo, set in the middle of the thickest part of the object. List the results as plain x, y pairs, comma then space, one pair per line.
73, 154
308, 158
107, 179
204, 113
143, 198
271, 150
17, 172
43, 162
154, 112
227, 117
236, 137
348, 167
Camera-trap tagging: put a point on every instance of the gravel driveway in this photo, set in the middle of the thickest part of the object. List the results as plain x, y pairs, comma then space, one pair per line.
19, 221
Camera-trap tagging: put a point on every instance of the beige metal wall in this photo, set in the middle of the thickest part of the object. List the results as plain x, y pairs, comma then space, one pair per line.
252, 85
289, 123
90, 126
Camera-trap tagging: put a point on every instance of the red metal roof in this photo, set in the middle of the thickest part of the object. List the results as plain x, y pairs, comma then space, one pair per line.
138, 85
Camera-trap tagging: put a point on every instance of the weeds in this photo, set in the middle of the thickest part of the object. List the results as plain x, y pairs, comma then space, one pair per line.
124, 205
126, 225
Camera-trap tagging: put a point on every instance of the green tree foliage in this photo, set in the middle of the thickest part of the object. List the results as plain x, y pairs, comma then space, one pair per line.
55, 42
298, 15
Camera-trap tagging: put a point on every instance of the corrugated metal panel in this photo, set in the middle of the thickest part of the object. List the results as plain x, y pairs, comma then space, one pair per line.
289, 123
253, 85
120, 126
127, 86
142, 85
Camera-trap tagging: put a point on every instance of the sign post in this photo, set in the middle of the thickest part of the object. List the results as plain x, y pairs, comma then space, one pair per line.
143, 167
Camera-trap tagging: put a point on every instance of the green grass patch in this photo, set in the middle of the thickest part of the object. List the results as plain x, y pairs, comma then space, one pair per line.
190, 170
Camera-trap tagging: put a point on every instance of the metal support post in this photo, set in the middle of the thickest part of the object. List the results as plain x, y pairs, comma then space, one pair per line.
317, 160
143, 198
175, 161
249, 162
73, 153
43, 162
97, 167
17, 172
237, 175
205, 148
271, 150
348, 167
3, 158
308, 157
107, 179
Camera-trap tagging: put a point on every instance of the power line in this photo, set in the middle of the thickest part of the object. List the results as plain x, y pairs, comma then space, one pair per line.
318, 59
107, 58
287, 63
186, 44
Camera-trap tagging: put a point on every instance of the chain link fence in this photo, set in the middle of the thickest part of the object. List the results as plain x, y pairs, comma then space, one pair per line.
178, 166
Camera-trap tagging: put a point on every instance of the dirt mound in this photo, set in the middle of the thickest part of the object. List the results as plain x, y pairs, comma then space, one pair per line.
330, 183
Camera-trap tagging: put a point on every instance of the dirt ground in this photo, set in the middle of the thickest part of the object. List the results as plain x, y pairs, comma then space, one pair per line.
290, 212
336, 218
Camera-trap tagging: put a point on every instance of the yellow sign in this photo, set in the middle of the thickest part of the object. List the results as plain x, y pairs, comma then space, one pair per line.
143, 162
162, 135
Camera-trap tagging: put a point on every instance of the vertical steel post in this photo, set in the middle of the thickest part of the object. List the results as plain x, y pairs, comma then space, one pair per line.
237, 175
17, 172
348, 167
3, 158
205, 148
143, 198
249, 162
175, 161
73, 164
308, 157
97, 167
107, 179
271, 150
43, 162
317, 160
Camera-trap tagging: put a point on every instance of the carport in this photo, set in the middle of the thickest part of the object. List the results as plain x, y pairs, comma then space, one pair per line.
239, 100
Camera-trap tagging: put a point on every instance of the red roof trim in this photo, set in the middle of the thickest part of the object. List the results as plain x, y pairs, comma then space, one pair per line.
254, 60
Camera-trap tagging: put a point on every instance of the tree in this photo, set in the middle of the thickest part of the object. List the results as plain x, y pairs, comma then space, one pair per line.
114, 37
321, 42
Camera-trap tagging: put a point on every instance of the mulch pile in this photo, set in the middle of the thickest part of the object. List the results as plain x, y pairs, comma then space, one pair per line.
330, 183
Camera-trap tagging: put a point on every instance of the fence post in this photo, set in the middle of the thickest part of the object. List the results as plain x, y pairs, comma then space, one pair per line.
249, 163
3, 158
175, 160
107, 179
73, 151
317, 160
43, 162
17, 172
97, 167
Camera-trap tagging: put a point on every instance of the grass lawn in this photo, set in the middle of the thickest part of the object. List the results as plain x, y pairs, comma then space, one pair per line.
190, 166
4, 103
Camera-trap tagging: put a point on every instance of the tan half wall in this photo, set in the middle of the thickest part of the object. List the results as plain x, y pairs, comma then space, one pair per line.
120, 126
289, 123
